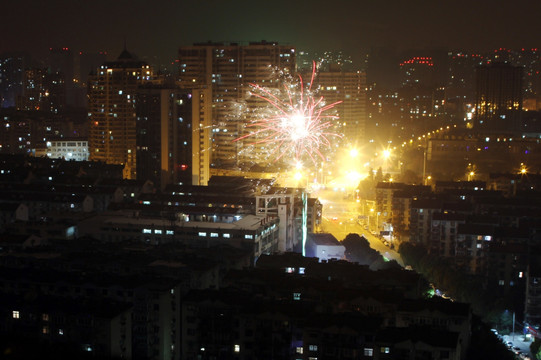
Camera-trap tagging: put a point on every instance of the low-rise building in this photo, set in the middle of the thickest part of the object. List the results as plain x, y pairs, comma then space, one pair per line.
324, 246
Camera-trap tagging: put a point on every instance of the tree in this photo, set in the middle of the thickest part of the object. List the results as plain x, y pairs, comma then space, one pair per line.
358, 250
379, 175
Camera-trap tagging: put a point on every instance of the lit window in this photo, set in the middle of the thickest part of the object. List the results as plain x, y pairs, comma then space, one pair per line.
213, 234
147, 231
16, 314
501, 282
248, 236
227, 236
202, 234
296, 296
301, 270
385, 350
45, 330
45, 317
312, 347
368, 352
60, 332
157, 231
290, 270
237, 348
299, 349
169, 232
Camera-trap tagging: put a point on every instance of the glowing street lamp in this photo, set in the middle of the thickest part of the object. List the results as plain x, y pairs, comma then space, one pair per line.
523, 169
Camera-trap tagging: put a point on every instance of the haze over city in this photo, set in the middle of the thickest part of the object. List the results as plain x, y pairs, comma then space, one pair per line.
157, 28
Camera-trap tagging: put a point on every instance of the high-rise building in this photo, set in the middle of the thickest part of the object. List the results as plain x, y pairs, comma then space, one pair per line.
460, 83
12, 66
111, 111
201, 135
228, 70
61, 62
418, 71
171, 125
348, 88
42, 90
498, 100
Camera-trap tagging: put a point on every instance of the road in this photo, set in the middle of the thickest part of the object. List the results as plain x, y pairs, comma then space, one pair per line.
340, 217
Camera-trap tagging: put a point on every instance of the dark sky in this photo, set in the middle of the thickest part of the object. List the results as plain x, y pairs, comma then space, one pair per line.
158, 27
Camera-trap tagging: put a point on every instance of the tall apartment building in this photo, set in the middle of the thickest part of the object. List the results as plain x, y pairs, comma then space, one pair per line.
460, 83
350, 89
498, 100
228, 69
61, 61
42, 90
417, 90
111, 111
12, 66
172, 135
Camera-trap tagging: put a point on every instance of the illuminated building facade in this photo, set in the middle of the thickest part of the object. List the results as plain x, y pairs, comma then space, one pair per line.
201, 135
228, 69
68, 149
111, 111
498, 101
350, 89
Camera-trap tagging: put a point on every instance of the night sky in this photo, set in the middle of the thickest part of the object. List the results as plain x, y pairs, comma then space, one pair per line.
158, 27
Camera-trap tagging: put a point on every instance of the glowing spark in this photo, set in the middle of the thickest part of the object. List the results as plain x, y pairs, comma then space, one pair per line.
298, 123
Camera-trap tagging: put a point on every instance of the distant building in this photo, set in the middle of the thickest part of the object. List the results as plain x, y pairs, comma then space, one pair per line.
68, 149
42, 90
111, 110
460, 84
384, 200
418, 71
256, 233
12, 67
348, 88
173, 131
498, 99
228, 69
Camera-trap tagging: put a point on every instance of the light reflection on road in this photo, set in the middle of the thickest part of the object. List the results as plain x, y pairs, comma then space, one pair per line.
340, 217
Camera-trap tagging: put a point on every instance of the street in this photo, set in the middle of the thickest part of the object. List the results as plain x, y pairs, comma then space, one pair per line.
340, 217
520, 342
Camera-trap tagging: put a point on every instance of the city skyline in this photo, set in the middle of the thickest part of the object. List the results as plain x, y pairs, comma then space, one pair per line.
155, 30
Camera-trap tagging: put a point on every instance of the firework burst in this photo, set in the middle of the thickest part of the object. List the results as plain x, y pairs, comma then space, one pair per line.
297, 122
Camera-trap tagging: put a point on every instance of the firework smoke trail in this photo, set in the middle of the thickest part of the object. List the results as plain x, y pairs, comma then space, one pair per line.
298, 123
